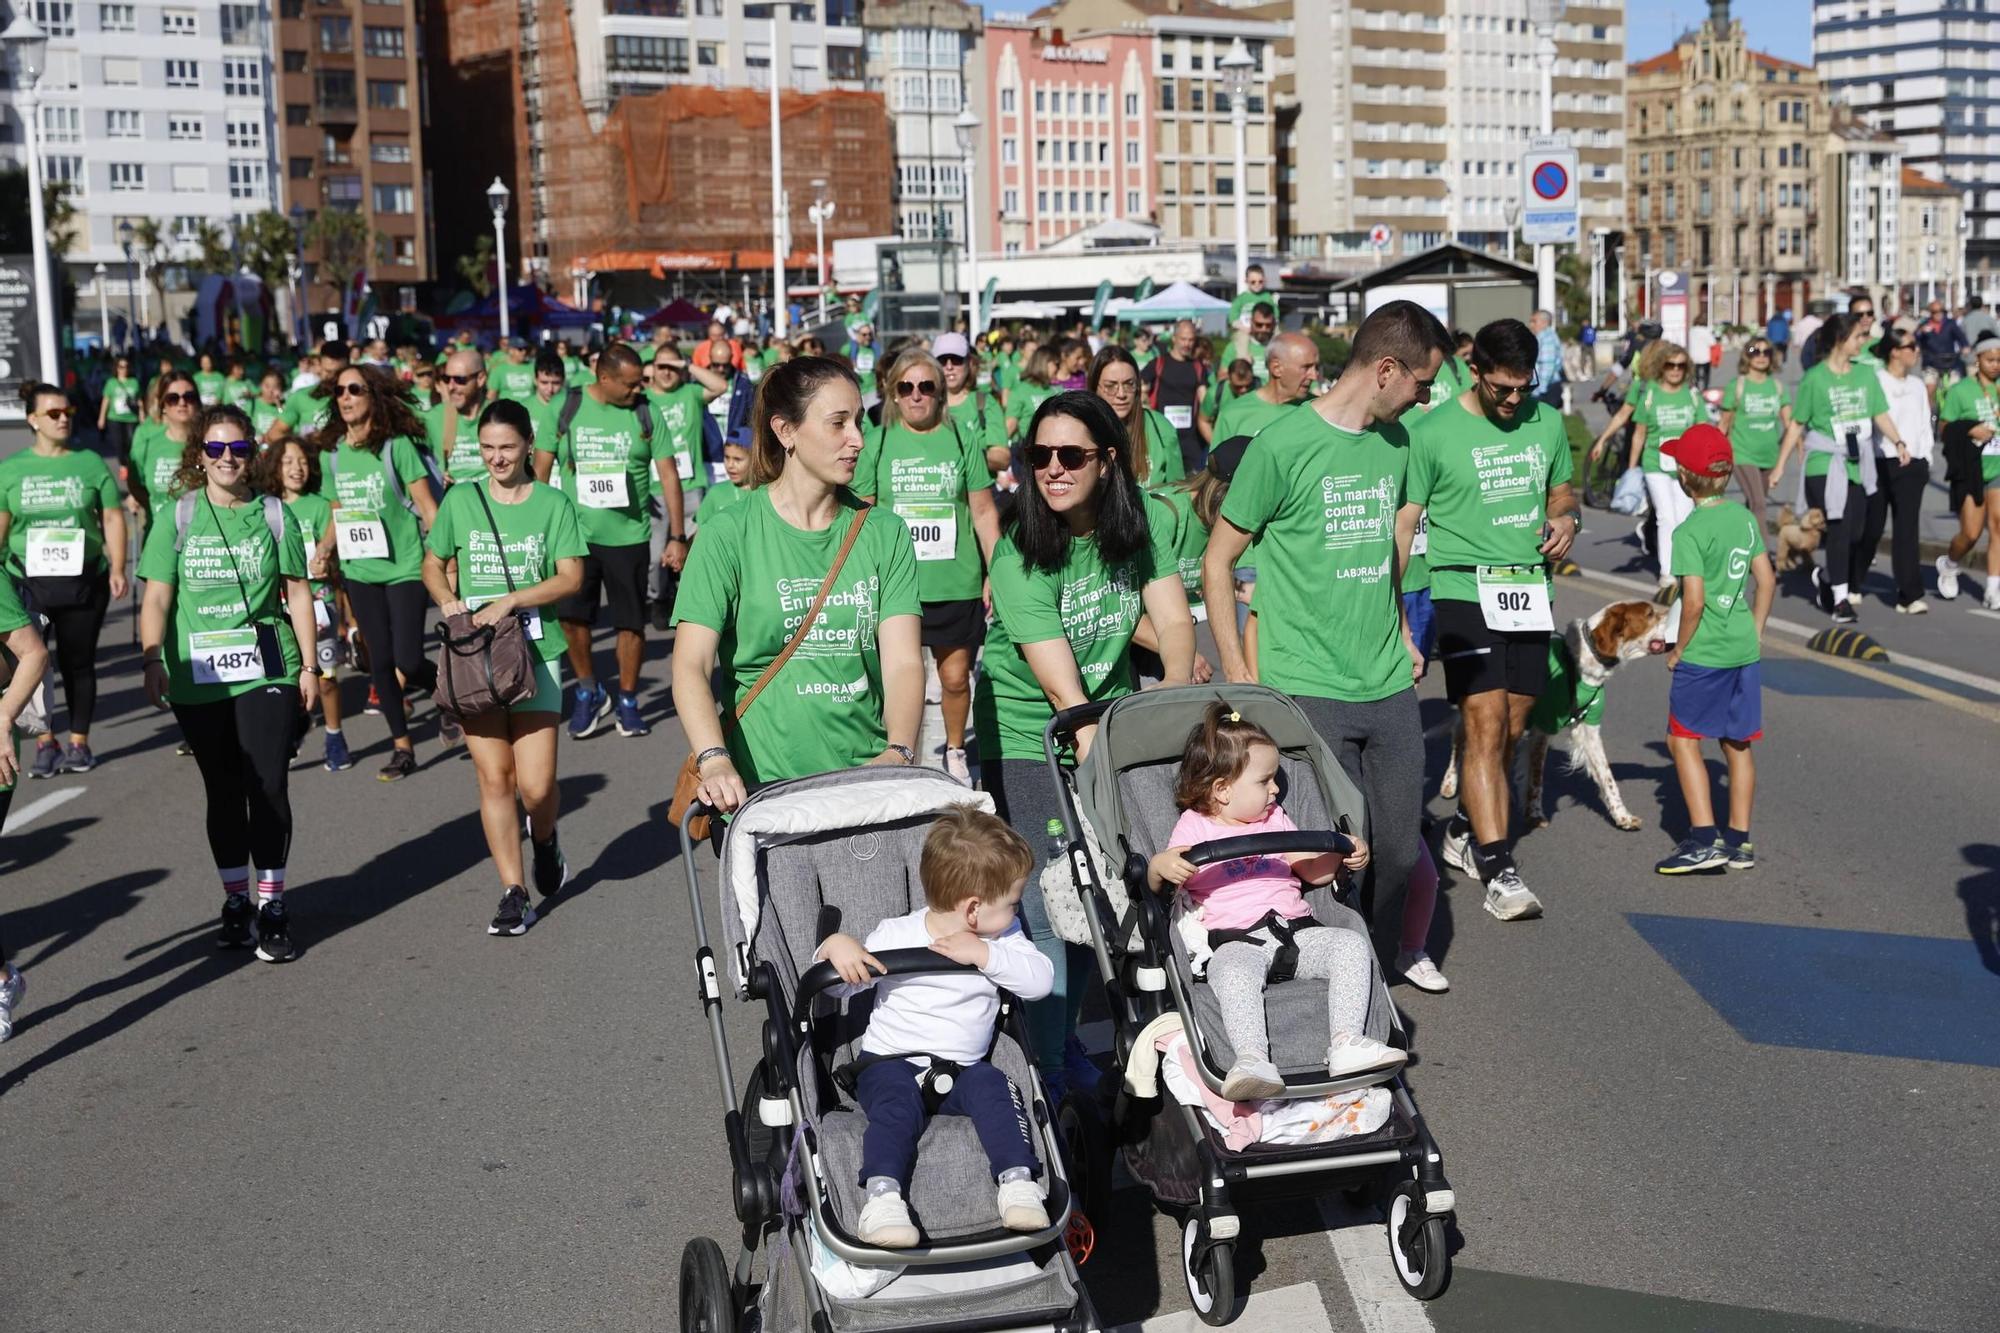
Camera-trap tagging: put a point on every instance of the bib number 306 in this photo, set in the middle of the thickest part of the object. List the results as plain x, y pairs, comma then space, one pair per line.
1515, 601
602, 487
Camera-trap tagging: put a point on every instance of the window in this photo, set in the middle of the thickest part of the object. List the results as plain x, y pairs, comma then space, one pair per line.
1010, 151
1131, 202
394, 152
1782, 153
1041, 201
1010, 202
242, 78
190, 179
1131, 152
185, 228
1007, 100
57, 18
122, 125
335, 88
342, 192
64, 171
246, 180
1166, 97
707, 54
183, 74
245, 133
1072, 202
382, 41
395, 199
187, 128
336, 150
61, 124
128, 177
240, 26
388, 95
294, 62
1131, 104
298, 113
118, 18
1225, 187
396, 251
177, 22
843, 63
299, 168
1041, 101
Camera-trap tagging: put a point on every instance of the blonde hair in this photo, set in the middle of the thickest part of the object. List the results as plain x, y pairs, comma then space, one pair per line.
892, 406
1653, 361
971, 854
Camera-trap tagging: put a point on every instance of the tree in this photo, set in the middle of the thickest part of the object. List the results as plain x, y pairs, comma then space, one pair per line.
477, 267
268, 244
342, 239
150, 246
212, 252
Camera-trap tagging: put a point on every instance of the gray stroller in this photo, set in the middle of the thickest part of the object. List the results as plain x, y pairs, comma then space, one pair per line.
1125, 792
801, 860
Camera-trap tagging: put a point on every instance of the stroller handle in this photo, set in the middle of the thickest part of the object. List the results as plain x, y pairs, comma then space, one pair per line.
1067, 722
1269, 844
900, 962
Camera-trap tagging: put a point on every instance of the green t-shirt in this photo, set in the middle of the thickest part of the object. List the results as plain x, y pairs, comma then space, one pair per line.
313, 512
208, 598
1717, 543
13, 615
155, 461
457, 453
603, 444
504, 379
1969, 400
238, 393
718, 498
982, 420
262, 414
121, 400
1021, 404
576, 374
360, 486
1213, 399
863, 360
1240, 306
1484, 488
535, 533
304, 411
1667, 415
1454, 377
751, 577
1190, 538
1321, 503
1163, 451
208, 384
1755, 429
68, 491
1834, 405
928, 480
678, 412
1094, 605
1246, 414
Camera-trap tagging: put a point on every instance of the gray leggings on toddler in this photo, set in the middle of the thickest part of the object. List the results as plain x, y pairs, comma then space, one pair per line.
1338, 957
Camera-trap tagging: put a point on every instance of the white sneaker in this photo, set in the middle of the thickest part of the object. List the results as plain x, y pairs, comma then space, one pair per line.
1418, 969
1252, 1080
1947, 572
13, 985
885, 1223
1992, 599
1021, 1206
956, 765
1920, 607
1351, 1055
1508, 898
1455, 846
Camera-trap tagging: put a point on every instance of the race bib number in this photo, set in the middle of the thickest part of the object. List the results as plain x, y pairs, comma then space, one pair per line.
1421, 543
602, 486
360, 535
53, 552
1180, 418
684, 466
224, 656
1515, 601
864, 360
933, 529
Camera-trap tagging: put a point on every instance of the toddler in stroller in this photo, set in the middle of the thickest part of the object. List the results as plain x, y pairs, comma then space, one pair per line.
925, 1049
1247, 918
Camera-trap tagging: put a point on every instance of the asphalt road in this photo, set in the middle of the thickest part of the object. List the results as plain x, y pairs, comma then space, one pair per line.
1763, 1101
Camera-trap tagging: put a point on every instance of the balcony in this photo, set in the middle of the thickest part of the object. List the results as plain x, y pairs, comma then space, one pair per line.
337, 110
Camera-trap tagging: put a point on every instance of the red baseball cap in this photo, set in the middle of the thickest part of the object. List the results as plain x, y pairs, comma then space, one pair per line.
1704, 450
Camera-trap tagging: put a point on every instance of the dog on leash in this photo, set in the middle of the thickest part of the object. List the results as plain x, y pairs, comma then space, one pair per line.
1798, 537
1582, 659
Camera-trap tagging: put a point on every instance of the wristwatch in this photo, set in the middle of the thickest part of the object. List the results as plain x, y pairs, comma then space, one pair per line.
678, 537
909, 755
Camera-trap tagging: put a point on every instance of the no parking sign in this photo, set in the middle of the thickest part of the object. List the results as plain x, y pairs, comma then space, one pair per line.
1549, 192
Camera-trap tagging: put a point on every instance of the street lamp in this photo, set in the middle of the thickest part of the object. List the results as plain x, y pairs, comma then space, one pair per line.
1236, 68
966, 127
132, 325
778, 12
295, 279
1544, 15
821, 213
29, 44
496, 199
103, 310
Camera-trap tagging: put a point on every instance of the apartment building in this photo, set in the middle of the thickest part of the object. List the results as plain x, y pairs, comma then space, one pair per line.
353, 115
924, 57
1928, 73
1861, 203
1932, 234
628, 47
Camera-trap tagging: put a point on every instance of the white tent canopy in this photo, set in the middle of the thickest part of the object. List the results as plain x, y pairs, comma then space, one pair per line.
1183, 300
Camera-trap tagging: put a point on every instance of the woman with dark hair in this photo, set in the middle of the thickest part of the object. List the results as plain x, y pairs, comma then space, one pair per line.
1902, 472
1071, 577
380, 491
226, 611
64, 538
512, 546
934, 475
1838, 398
290, 470
1152, 446
853, 693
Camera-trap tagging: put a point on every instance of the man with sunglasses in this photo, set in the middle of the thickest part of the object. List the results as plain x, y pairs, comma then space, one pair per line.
1252, 342
1490, 470
452, 427
679, 393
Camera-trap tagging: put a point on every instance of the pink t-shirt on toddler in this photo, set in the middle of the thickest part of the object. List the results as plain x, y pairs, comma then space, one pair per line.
1235, 895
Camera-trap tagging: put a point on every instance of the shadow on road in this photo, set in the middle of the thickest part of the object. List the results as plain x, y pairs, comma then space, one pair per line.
70, 919
1981, 895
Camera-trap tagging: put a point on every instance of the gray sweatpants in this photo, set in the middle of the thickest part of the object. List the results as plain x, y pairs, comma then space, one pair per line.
1338, 957
1381, 745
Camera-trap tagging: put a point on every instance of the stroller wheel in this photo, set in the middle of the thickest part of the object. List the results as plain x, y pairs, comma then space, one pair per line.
1087, 1154
1209, 1267
708, 1298
1419, 1249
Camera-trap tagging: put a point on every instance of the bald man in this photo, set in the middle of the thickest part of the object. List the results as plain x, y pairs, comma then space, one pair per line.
452, 427
1293, 363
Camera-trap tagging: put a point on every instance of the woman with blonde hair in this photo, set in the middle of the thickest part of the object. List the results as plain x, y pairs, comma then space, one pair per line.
1153, 447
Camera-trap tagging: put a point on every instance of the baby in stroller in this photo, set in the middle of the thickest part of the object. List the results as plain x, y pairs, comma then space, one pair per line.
1240, 914
925, 1049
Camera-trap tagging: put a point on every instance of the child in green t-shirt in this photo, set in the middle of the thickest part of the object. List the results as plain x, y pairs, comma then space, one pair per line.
1726, 591
736, 465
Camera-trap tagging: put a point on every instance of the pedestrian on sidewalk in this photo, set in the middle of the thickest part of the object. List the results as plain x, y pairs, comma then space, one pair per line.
1756, 411
23, 661
1902, 472
1970, 415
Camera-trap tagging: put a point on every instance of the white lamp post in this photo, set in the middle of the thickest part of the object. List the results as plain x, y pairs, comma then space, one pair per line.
821, 213
496, 199
778, 12
1236, 68
103, 309
966, 127
1545, 14
29, 44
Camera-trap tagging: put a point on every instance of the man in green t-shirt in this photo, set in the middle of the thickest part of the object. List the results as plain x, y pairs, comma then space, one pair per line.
680, 394
1319, 491
1292, 365
1239, 378
452, 427
611, 447
513, 377
1253, 341
1490, 471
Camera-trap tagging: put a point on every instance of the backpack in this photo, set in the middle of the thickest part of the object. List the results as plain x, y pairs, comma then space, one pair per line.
274, 519
573, 403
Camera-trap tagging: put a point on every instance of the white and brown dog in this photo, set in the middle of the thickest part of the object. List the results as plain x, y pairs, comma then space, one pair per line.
1591, 649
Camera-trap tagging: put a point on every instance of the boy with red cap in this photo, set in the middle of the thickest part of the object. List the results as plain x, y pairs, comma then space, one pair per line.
1727, 588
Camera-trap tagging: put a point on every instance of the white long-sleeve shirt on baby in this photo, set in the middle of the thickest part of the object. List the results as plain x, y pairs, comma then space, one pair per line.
947, 1014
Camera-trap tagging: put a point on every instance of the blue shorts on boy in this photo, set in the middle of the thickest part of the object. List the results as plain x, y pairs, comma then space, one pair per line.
1717, 690
1716, 703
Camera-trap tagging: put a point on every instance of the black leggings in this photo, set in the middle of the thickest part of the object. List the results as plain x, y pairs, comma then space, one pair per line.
75, 630
118, 434
243, 747
1836, 544
391, 617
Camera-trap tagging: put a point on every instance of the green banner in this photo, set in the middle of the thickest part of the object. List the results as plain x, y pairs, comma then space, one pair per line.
986, 299
1144, 290
1097, 308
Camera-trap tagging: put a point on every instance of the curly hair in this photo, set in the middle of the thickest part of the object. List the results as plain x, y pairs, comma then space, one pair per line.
391, 411
190, 476
267, 469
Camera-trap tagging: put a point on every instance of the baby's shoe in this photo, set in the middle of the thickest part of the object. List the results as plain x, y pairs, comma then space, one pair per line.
1251, 1079
1021, 1207
1350, 1055
885, 1223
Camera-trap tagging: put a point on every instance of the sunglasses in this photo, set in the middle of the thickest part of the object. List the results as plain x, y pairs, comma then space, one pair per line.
58, 413
237, 449
352, 389
1071, 456
180, 400
1757, 351
951, 360
448, 379
1677, 365
914, 388
1423, 386
1505, 393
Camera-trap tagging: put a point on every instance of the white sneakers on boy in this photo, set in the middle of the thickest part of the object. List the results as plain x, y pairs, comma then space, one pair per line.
1021, 1206
1252, 1079
1352, 1054
885, 1223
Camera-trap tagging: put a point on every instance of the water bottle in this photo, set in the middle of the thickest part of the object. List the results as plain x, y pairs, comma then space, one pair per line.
1058, 849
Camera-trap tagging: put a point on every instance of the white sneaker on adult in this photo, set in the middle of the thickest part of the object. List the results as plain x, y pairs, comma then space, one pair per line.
1418, 969
1455, 846
885, 1222
1992, 599
956, 765
1021, 1206
1917, 608
13, 985
1947, 572
1508, 899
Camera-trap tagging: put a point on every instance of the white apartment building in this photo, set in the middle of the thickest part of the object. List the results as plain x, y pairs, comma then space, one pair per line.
626, 47
1928, 72
925, 58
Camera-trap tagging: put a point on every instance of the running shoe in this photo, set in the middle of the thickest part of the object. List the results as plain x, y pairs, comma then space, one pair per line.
1822, 590
1741, 856
236, 918
1455, 845
588, 713
274, 932
373, 706
401, 764
48, 760
450, 734
1843, 612
1992, 599
1418, 969
1021, 1206
1917, 608
77, 758
184, 751
629, 721
551, 866
1947, 572
13, 985
1692, 856
956, 764
515, 914
337, 757
885, 1223
1508, 899
1252, 1079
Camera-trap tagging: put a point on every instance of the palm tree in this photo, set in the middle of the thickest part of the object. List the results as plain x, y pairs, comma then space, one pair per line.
211, 245
150, 245
477, 267
341, 237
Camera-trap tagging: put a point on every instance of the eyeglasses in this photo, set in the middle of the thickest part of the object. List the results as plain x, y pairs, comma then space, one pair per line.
951, 360
1756, 351
237, 449
917, 388
180, 400
58, 413
448, 379
1071, 456
1676, 365
353, 389
1423, 386
1505, 393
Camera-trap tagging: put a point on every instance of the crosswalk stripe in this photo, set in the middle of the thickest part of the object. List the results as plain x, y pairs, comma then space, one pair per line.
1361, 1246
23, 815
1296, 1309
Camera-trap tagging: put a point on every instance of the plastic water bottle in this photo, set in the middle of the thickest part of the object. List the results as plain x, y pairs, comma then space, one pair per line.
1058, 848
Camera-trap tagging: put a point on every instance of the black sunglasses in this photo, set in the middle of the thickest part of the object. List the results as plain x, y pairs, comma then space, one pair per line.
1757, 351
1071, 456
240, 449
951, 360
351, 389
908, 388
1676, 365
457, 379
1506, 393
180, 400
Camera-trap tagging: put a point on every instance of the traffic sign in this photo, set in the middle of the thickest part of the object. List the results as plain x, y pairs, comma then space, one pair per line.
1380, 235
1549, 197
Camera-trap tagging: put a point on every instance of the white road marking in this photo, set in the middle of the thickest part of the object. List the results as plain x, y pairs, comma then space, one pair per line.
1987, 615
1296, 1309
23, 815
1360, 1243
